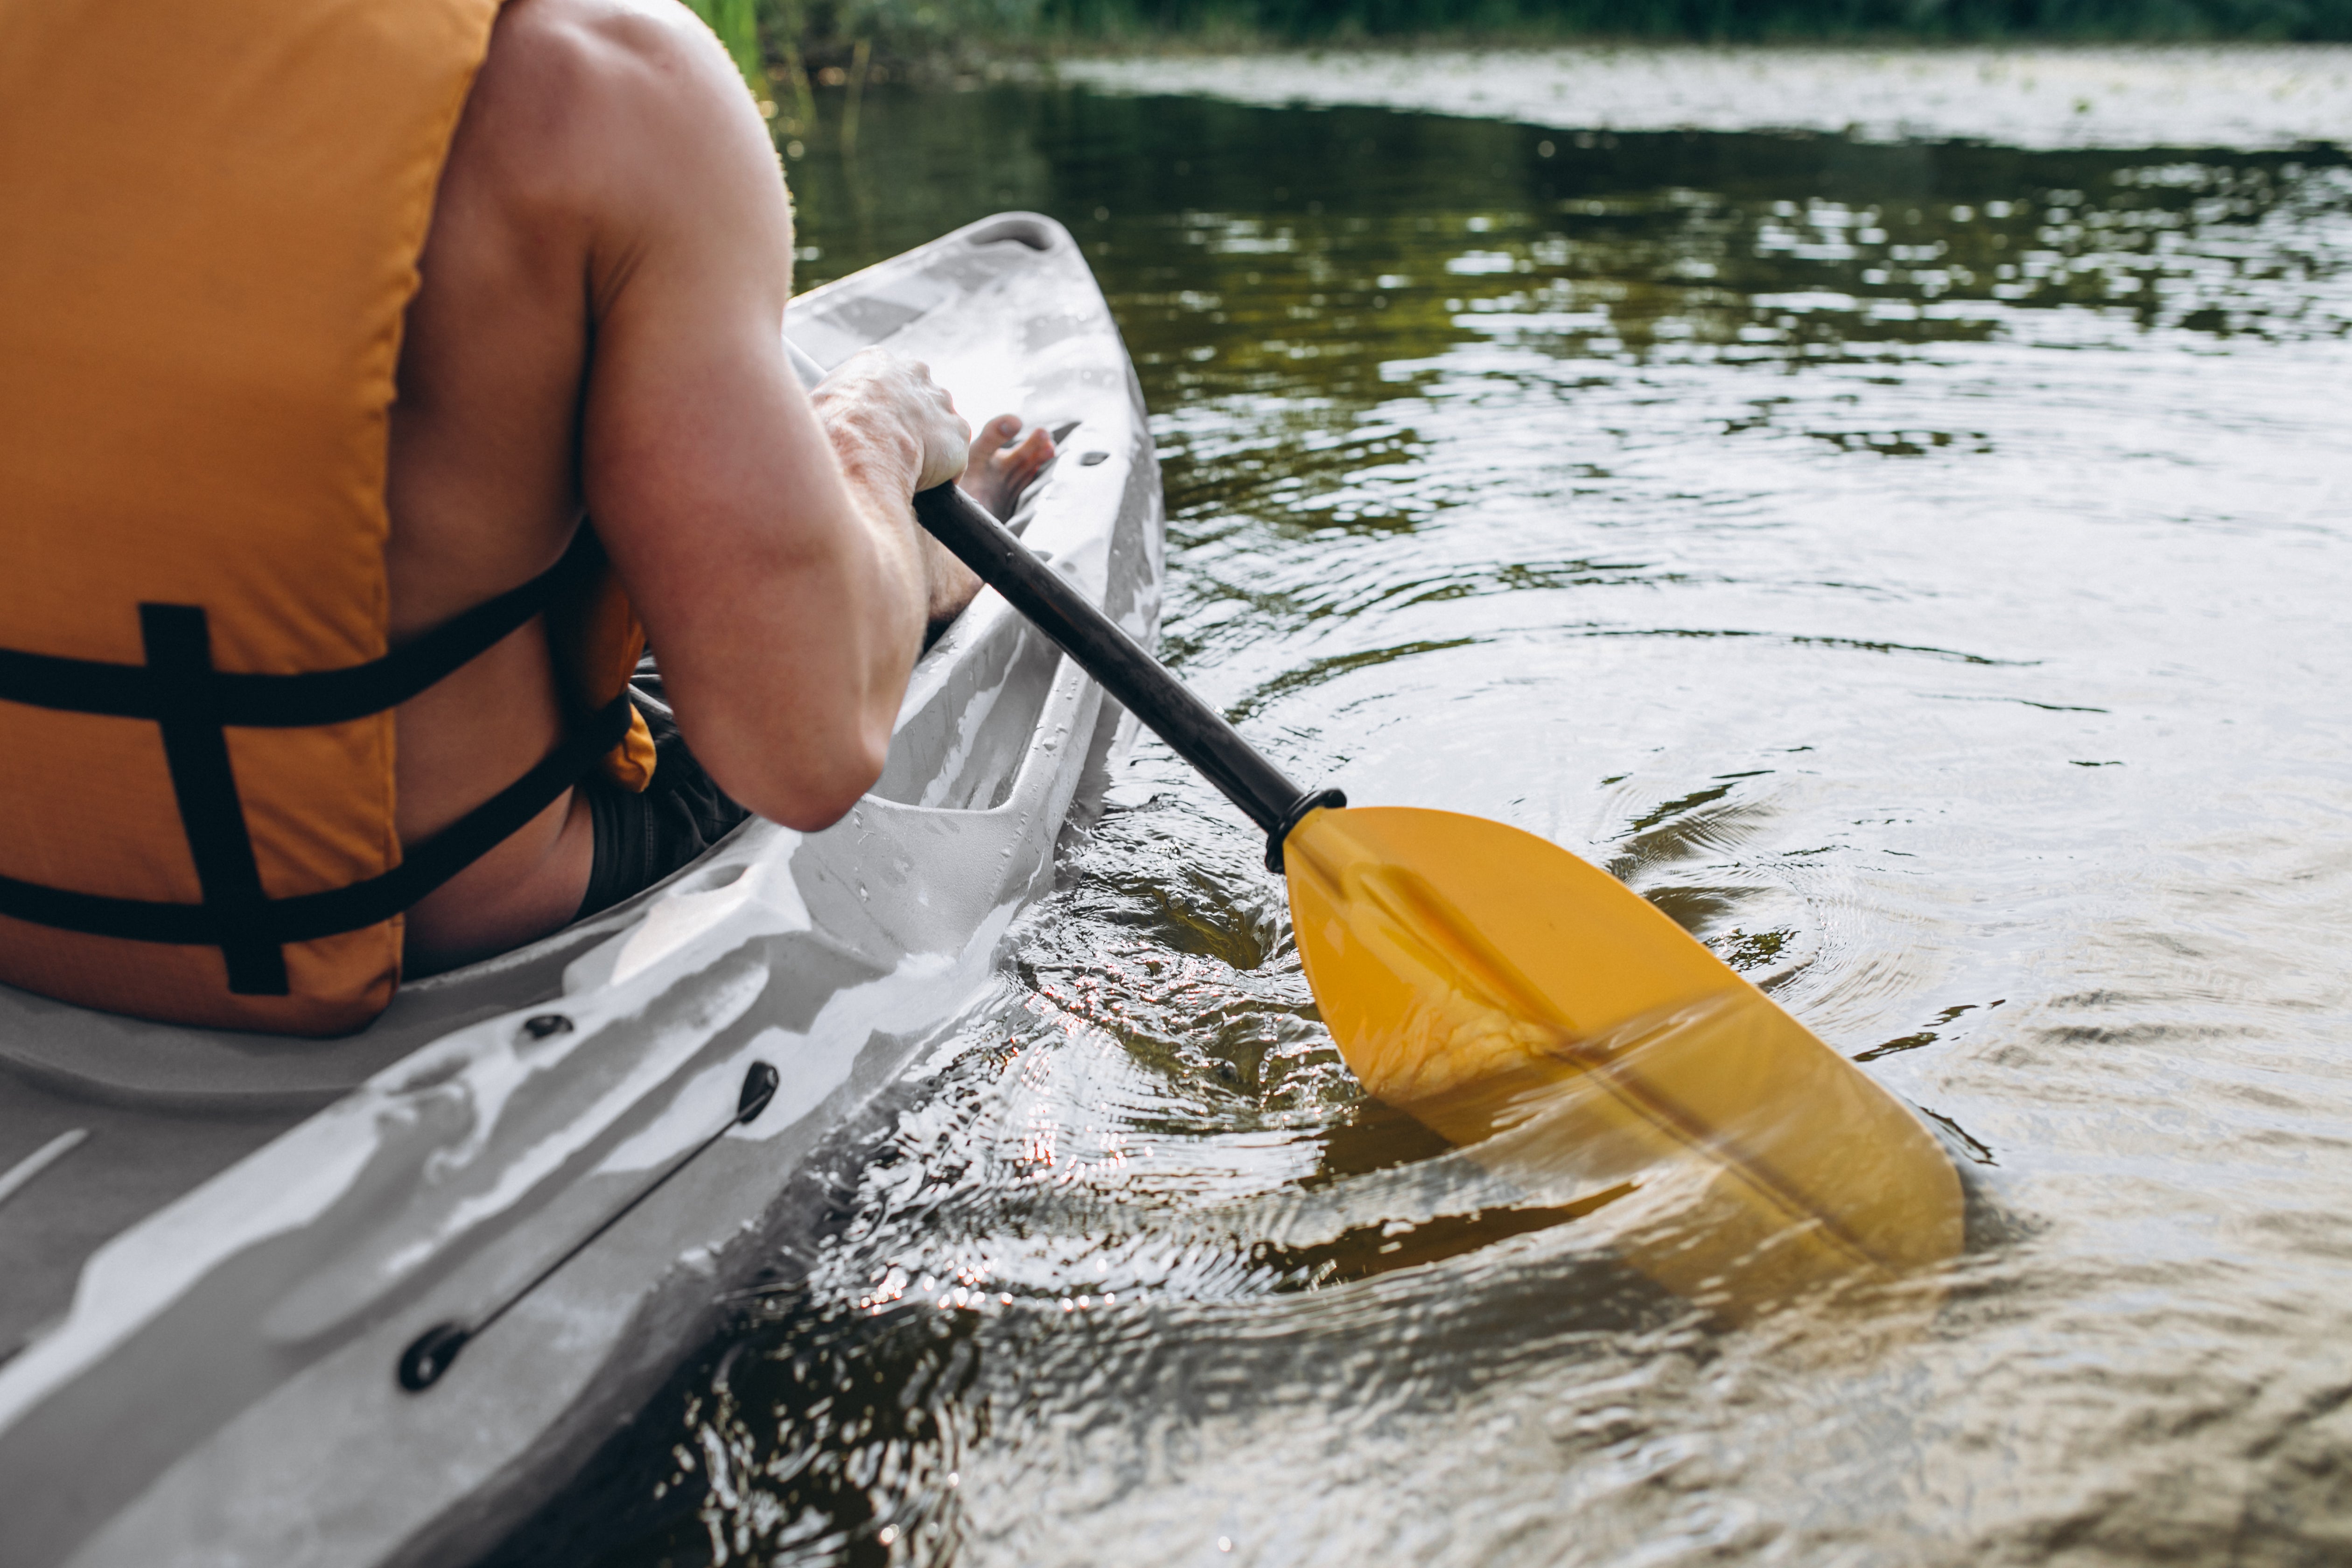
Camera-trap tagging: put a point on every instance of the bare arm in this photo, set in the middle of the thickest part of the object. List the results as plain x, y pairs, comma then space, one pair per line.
771, 554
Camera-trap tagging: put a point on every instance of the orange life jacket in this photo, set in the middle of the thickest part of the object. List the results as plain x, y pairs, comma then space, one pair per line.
213, 213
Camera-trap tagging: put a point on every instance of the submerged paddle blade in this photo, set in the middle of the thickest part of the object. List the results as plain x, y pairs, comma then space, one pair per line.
1516, 998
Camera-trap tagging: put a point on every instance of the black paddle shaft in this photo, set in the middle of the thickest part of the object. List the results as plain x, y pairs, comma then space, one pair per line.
1197, 732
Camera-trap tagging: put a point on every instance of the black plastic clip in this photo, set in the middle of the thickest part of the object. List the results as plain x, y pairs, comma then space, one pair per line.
1313, 800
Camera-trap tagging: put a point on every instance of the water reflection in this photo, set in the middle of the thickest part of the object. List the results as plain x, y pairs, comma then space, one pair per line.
1919, 571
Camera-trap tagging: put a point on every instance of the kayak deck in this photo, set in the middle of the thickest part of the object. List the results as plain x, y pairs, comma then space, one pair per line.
213, 1284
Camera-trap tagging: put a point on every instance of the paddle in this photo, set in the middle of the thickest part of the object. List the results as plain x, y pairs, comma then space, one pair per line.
1514, 997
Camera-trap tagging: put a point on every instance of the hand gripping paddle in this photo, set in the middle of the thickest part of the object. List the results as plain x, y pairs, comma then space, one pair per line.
1515, 998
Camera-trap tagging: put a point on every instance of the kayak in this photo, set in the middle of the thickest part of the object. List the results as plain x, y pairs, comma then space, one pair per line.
369, 1300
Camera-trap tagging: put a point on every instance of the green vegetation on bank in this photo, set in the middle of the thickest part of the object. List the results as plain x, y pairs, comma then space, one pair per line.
798, 36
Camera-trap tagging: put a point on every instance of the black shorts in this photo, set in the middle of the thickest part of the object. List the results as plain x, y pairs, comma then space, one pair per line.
641, 838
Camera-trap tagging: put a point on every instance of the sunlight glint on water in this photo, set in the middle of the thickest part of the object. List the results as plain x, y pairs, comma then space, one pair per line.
1920, 571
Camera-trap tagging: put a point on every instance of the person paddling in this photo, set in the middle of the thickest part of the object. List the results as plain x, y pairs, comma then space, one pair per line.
326, 328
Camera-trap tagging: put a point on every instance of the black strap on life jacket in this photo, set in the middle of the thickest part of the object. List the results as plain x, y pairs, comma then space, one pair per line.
195, 705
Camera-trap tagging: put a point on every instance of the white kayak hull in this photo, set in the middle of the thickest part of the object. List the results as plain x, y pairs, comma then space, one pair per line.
516, 1144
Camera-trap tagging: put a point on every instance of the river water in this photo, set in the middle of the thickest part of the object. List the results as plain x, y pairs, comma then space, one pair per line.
1921, 570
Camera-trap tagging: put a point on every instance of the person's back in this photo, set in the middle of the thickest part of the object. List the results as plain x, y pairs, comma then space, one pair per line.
597, 335
582, 111
484, 482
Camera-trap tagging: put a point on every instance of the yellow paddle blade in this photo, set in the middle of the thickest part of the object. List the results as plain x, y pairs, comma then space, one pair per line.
1516, 998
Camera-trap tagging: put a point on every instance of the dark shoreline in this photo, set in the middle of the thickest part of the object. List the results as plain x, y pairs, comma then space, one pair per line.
946, 38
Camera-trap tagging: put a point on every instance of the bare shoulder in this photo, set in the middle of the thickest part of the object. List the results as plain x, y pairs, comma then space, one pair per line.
646, 55
605, 106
